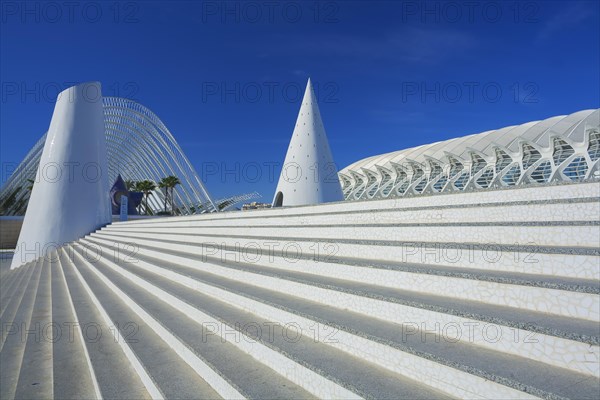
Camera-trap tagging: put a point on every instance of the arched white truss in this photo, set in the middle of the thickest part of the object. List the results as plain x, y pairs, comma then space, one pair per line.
228, 203
139, 147
563, 148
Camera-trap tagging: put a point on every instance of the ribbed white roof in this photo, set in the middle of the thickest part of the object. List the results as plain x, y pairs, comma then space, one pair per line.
571, 126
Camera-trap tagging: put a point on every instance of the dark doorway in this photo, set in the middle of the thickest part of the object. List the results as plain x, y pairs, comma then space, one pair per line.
278, 200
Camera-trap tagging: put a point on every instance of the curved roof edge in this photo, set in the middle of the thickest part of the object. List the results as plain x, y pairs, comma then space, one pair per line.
560, 148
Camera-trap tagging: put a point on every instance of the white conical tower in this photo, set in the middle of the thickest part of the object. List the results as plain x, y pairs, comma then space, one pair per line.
70, 194
309, 175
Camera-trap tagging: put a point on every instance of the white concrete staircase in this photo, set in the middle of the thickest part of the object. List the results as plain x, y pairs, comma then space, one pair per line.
492, 294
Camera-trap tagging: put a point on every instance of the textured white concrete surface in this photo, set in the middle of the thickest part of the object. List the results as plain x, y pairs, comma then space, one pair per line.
569, 236
547, 349
411, 366
563, 303
520, 259
552, 212
314, 383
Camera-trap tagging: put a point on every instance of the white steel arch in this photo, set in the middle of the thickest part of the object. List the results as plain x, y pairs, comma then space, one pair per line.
139, 147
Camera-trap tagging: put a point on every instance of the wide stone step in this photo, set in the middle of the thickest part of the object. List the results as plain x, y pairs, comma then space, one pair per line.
116, 369
224, 353
519, 213
15, 335
11, 296
74, 375
318, 385
437, 342
575, 235
498, 366
312, 350
408, 306
523, 195
36, 379
583, 305
326, 258
7, 283
319, 275
551, 262
157, 354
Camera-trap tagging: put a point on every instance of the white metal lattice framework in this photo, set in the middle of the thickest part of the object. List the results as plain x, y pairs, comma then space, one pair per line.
139, 147
562, 148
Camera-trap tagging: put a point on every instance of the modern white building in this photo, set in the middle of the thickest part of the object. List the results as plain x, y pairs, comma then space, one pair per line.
565, 148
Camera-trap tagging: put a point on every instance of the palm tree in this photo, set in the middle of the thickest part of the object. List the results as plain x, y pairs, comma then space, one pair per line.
169, 184
31, 183
130, 185
7, 203
163, 185
146, 187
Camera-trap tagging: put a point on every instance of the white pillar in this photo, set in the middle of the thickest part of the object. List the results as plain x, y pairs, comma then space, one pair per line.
70, 195
309, 175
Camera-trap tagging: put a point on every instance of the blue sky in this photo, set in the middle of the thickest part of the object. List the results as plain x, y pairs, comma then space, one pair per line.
227, 77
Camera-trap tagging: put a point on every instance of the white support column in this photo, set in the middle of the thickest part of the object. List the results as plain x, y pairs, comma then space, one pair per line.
70, 195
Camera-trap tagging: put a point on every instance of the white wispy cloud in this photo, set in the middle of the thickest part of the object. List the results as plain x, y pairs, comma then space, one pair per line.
409, 44
572, 15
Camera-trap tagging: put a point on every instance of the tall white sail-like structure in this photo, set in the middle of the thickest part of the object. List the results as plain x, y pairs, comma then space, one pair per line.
69, 198
309, 174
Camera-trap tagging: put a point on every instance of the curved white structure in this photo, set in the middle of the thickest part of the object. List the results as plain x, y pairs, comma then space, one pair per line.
309, 175
70, 196
482, 294
562, 148
139, 147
